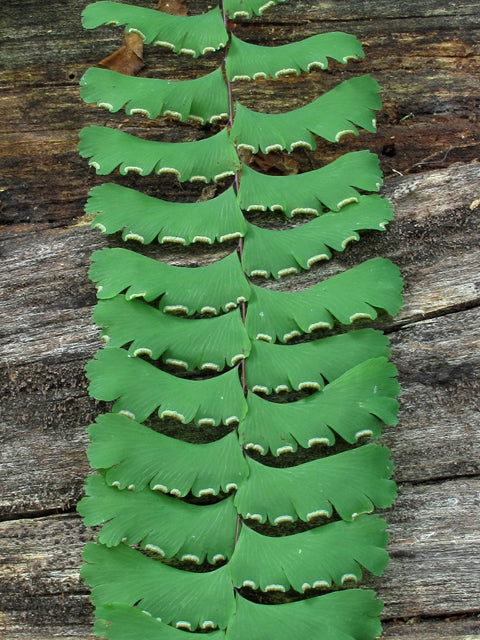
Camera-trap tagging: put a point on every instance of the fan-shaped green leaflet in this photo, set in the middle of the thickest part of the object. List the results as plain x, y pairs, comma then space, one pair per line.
246, 61
204, 99
134, 457
204, 160
332, 186
331, 116
347, 296
311, 559
351, 482
211, 343
268, 252
320, 618
353, 406
144, 218
121, 622
276, 367
141, 389
163, 525
210, 289
188, 600
194, 35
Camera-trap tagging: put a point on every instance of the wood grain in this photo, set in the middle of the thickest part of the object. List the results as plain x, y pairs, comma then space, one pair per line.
47, 337
426, 56
438, 360
40, 559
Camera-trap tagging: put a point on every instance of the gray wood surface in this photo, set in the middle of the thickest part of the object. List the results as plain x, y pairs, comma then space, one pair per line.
427, 58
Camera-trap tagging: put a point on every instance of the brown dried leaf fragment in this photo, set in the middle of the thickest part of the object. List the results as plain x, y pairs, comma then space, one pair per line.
128, 59
208, 192
174, 7
275, 163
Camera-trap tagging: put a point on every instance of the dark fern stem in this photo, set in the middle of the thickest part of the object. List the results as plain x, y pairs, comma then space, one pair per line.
236, 183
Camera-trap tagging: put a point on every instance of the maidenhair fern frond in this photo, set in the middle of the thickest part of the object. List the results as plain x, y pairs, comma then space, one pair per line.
141, 389
352, 483
246, 8
331, 116
204, 99
185, 599
352, 406
162, 524
353, 294
119, 270
333, 186
307, 365
246, 61
195, 530
135, 457
193, 35
144, 218
268, 252
122, 622
203, 343
307, 618
202, 161
332, 554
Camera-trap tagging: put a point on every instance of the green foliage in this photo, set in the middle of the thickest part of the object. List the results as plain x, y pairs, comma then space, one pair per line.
122, 574
144, 218
193, 524
268, 252
136, 457
273, 367
204, 99
319, 557
331, 116
206, 160
194, 35
180, 289
331, 187
213, 342
246, 8
345, 297
249, 61
344, 615
352, 482
353, 406
121, 622
141, 389
163, 525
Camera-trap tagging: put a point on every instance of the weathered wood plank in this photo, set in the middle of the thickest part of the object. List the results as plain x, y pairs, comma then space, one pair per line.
434, 548
438, 359
425, 58
47, 336
434, 239
451, 628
